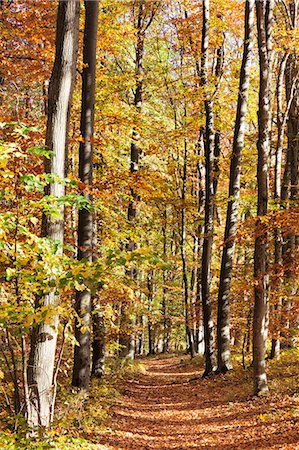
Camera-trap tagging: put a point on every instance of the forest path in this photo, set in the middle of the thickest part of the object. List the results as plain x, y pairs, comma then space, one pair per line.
171, 407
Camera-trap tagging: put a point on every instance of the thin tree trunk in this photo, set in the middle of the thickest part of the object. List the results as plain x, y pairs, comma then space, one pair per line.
275, 344
164, 295
189, 335
289, 193
199, 333
98, 321
99, 343
210, 358
217, 147
44, 336
126, 338
223, 323
150, 298
263, 10
81, 369
140, 347
193, 293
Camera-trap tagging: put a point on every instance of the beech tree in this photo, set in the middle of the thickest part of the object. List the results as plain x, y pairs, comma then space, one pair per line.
209, 143
134, 248
82, 360
264, 27
44, 336
223, 323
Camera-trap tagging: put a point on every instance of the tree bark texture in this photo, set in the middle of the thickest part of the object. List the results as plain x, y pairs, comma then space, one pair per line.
81, 369
223, 322
189, 334
263, 12
210, 358
43, 340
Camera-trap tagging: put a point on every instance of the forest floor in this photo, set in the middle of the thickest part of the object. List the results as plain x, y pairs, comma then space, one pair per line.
163, 403
171, 407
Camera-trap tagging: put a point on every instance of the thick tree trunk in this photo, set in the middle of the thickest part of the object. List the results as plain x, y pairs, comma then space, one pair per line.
43, 340
263, 10
223, 323
210, 358
81, 370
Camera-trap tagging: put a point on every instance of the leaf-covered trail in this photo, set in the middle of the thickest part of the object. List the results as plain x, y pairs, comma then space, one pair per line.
171, 407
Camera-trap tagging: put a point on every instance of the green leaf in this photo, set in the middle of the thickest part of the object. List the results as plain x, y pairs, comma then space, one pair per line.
41, 151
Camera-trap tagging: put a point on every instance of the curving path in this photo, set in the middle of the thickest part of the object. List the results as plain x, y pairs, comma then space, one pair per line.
171, 407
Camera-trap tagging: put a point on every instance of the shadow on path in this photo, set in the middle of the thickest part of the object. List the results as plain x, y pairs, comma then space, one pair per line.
171, 407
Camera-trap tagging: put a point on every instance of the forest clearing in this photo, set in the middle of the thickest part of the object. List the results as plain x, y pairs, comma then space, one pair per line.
149, 224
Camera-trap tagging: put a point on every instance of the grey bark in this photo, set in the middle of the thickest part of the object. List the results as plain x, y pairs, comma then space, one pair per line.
210, 357
223, 322
44, 336
81, 369
189, 334
199, 333
263, 12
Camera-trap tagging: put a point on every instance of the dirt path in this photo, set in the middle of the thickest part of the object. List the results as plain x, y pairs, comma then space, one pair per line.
170, 407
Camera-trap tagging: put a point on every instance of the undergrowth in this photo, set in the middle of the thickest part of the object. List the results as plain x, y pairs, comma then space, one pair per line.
237, 384
79, 416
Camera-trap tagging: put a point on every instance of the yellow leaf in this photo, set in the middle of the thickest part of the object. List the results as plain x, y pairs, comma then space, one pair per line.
34, 220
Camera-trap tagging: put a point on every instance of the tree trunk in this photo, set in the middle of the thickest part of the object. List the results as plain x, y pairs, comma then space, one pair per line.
189, 335
44, 336
275, 344
81, 370
217, 146
98, 344
199, 331
127, 339
140, 345
263, 11
223, 323
164, 295
289, 193
150, 297
193, 294
210, 359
